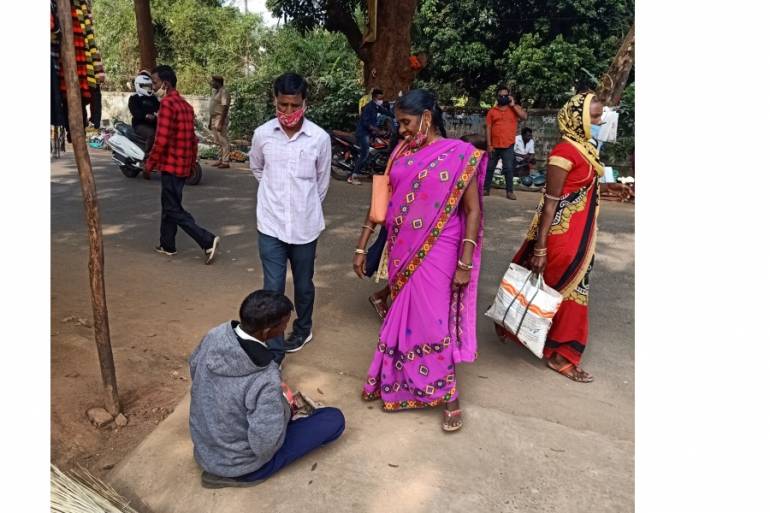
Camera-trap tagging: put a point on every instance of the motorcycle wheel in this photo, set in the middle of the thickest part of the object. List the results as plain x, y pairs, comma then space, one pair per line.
340, 166
196, 174
129, 171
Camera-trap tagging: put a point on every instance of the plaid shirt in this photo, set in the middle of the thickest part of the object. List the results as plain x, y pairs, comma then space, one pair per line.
176, 146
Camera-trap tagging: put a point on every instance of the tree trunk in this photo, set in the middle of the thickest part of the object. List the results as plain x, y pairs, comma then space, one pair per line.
614, 81
386, 63
145, 33
88, 189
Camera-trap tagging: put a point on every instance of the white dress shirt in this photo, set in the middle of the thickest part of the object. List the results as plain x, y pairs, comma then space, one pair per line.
524, 149
293, 176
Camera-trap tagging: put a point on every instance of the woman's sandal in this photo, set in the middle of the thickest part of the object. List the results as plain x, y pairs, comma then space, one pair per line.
565, 369
379, 306
449, 415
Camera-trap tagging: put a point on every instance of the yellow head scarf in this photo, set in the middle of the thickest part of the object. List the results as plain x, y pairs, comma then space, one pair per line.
575, 126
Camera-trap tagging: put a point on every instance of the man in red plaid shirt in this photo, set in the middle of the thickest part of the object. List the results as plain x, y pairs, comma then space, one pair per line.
174, 153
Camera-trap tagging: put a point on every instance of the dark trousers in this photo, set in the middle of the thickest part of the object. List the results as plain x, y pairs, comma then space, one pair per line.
148, 133
302, 436
507, 155
95, 106
173, 215
274, 254
362, 139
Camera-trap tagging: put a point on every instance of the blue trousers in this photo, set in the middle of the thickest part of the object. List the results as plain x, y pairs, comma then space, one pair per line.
302, 436
362, 139
274, 254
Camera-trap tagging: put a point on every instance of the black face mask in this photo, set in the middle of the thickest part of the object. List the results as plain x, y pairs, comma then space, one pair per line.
503, 100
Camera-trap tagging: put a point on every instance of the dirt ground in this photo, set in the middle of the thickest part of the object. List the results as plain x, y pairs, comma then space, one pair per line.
161, 306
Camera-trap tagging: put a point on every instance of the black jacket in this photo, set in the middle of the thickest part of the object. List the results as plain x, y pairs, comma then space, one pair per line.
140, 106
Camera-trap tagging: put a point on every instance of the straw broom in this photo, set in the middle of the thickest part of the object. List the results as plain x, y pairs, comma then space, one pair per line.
81, 492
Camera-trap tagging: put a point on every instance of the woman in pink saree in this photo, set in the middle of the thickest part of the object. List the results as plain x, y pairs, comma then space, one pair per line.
433, 251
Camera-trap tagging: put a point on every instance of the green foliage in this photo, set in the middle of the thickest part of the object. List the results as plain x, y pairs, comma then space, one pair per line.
326, 62
454, 33
544, 72
196, 37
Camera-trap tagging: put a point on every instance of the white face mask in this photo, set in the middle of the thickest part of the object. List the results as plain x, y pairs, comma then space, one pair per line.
378, 102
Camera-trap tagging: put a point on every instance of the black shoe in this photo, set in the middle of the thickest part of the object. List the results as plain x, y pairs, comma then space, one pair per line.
511, 195
212, 481
295, 342
486, 192
163, 251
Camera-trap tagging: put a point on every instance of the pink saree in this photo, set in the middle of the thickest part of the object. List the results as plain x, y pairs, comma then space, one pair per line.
430, 327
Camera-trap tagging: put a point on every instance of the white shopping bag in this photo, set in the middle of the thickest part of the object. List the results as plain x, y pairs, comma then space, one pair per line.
525, 306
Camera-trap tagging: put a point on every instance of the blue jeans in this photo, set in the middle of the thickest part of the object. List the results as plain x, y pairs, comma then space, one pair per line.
362, 139
274, 254
302, 436
507, 155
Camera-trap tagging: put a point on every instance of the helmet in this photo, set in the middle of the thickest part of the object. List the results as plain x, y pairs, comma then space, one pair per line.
143, 85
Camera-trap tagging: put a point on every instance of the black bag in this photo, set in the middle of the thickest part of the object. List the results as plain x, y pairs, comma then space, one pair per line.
374, 253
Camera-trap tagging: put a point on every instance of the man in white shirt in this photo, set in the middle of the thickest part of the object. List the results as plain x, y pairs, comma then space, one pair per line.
524, 152
291, 159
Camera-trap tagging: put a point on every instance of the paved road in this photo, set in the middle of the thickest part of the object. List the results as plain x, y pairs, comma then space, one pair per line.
533, 441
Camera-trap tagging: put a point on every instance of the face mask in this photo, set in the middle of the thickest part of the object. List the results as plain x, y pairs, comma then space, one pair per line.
595, 129
160, 93
418, 140
378, 102
290, 120
503, 100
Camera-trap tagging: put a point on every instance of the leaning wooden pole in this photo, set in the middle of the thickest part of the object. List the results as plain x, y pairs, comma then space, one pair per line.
88, 189
614, 81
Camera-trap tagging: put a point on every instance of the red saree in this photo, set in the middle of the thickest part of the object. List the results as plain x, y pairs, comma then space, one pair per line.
571, 241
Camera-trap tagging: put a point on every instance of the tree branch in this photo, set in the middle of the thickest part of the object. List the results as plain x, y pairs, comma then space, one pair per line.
340, 19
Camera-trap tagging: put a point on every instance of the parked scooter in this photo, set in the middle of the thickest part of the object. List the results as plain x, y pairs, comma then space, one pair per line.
127, 150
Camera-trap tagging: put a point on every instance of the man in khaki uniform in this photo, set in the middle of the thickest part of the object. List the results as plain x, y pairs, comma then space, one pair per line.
219, 107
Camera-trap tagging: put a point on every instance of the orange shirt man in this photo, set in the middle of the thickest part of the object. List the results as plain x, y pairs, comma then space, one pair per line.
502, 122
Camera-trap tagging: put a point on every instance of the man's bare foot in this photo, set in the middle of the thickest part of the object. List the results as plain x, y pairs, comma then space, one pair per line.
453, 417
568, 369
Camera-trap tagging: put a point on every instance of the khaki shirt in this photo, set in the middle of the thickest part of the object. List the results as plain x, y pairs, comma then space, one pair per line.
217, 104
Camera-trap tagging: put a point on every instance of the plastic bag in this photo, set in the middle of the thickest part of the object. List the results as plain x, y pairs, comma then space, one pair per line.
525, 306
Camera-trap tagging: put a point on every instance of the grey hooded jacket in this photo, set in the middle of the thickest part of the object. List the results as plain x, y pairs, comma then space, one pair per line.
238, 414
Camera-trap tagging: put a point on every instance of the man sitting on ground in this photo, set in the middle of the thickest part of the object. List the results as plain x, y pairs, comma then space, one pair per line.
239, 418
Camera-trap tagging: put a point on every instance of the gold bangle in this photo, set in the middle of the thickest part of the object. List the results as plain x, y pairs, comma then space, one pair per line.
465, 267
359, 251
366, 227
472, 242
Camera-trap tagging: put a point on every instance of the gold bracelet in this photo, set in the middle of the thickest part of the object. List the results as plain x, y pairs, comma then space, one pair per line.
366, 227
359, 251
472, 242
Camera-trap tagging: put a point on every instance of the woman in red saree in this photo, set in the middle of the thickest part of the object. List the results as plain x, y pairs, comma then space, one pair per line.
561, 239
433, 254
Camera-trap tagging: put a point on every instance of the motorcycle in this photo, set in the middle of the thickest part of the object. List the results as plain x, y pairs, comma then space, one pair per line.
345, 151
128, 151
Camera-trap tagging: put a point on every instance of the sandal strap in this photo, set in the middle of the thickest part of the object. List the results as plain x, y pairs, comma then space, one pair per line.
452, 413
565, 368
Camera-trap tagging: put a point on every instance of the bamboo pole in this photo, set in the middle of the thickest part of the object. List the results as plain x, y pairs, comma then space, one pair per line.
93, 221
